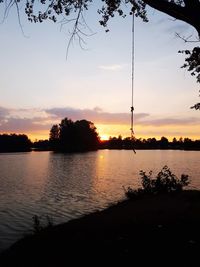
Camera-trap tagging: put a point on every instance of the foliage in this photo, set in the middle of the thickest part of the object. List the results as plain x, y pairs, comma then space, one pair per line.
38, 225
196, 106
74, 10
71, 136
192, 62
164, 182
66, 9
111, 7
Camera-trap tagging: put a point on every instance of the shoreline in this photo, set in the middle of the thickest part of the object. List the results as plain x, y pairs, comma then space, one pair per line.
68, 152
143, 229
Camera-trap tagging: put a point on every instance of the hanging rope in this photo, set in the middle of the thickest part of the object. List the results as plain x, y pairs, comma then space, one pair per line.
132, 84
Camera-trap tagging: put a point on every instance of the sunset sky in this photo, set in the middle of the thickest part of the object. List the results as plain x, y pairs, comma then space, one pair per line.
39, 87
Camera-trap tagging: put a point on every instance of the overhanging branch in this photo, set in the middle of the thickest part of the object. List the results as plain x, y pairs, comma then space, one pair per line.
186, 13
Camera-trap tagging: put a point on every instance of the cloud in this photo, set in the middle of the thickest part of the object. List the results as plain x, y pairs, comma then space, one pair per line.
3, 112
23, 120
20, 125
171, 122
32, 120
177, 27
96, 115
113, 67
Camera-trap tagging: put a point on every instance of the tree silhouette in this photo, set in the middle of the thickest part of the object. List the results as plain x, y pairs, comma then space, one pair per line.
164, 142
67, 136
150, 143
86, 134
14, 143
185, 10
71, 136
54, 133
54, 136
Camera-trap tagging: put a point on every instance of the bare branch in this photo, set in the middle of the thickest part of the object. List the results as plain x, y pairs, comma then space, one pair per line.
7, 9
19, 19
74, 32
187, 39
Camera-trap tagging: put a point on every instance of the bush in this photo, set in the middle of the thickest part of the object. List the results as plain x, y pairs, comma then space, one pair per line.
37, 224
164, 182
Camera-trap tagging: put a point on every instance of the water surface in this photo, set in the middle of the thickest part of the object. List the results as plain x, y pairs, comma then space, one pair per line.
66, 186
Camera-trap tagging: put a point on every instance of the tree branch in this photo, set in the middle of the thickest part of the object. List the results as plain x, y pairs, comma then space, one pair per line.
193, 3
169, 8
186, 13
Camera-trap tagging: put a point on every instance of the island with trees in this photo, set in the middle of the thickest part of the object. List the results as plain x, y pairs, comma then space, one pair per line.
78, 136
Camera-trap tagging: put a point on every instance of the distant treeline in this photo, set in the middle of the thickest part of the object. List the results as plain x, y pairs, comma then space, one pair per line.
150, 143
127, 143
14, 143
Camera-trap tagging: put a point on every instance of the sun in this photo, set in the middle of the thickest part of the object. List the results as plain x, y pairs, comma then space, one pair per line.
104, 137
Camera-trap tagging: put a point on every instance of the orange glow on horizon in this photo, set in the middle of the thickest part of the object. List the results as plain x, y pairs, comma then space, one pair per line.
36, 136
114, 130
144, 132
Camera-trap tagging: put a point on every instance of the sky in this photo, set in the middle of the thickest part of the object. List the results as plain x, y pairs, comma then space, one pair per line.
39, 86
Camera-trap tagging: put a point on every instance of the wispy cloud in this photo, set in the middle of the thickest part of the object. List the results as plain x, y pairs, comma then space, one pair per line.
24, 125
3, 112
28, 120
96, 115
112, 67
24, 120
170, 122
178, 27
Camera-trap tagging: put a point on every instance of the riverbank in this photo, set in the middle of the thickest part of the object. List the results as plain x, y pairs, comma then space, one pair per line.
157, 230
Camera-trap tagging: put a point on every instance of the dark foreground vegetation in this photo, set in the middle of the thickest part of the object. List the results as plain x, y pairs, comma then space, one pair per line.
159, 228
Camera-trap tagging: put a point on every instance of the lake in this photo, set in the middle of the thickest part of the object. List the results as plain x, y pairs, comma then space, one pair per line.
66, 186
